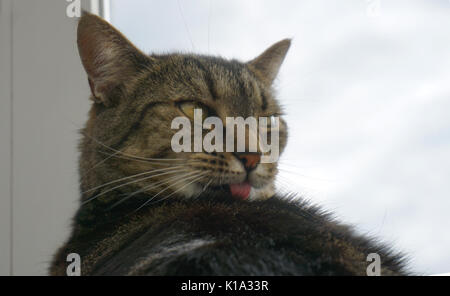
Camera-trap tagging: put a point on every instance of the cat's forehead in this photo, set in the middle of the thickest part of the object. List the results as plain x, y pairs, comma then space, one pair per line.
228, 84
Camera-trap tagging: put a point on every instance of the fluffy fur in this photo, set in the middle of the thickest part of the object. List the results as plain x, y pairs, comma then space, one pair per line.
279, 236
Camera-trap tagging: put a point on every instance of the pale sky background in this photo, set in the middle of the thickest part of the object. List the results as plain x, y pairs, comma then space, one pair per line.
366, 87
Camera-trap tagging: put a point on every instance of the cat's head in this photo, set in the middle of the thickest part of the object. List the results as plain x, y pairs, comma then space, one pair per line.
127, 144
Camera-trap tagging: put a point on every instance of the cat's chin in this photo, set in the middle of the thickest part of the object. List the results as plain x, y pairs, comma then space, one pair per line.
263, 193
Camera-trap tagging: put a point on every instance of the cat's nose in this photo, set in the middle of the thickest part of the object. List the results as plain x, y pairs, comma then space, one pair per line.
250, 160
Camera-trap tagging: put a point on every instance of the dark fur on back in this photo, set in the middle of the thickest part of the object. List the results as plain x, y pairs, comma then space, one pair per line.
280, 236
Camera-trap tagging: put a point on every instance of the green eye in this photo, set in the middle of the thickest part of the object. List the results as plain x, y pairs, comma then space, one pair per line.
188, 108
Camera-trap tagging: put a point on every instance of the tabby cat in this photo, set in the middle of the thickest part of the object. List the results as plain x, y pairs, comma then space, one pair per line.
146, 210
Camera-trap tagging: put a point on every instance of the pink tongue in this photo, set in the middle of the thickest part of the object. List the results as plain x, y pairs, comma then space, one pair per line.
241, 191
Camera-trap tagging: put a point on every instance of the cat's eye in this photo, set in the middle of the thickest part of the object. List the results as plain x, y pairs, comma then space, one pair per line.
188, 108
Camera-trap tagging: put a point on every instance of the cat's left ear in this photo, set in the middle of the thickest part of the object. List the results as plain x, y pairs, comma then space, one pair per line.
267, 65
110, 60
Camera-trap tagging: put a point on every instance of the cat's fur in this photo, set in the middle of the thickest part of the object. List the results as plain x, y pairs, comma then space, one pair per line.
194, 228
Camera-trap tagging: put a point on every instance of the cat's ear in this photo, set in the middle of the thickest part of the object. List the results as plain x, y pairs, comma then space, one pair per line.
267, 65
108, 58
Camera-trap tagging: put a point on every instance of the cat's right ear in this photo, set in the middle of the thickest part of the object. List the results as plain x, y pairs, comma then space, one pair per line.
267, 65
108, 58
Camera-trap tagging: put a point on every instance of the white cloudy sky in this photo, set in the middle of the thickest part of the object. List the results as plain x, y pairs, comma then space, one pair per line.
367, 93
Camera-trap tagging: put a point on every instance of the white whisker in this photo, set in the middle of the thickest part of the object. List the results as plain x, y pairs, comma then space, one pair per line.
154, 185
195, 180
132, 182
165, 189
129, 155
133, 176
101, 162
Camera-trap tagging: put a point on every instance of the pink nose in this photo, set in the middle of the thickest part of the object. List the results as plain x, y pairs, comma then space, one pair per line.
250, 160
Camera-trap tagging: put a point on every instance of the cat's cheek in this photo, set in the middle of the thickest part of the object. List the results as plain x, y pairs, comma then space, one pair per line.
259, 177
